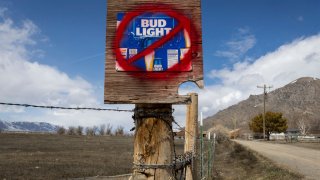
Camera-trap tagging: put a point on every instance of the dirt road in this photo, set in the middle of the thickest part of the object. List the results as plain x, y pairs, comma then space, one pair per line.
302, 160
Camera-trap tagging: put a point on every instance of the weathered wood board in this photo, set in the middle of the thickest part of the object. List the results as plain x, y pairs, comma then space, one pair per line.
141, 87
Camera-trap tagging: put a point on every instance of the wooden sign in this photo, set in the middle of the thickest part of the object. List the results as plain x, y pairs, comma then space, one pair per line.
151, 48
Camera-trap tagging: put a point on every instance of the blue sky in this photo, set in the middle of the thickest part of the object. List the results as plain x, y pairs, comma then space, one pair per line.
60, 48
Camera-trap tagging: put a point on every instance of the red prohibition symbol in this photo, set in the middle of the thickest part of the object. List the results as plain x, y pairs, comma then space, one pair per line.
184, 24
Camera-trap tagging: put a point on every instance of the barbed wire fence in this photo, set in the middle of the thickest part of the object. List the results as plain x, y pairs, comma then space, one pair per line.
65, 108
202, 159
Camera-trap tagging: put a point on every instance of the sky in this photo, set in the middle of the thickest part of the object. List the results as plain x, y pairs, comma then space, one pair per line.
53, 53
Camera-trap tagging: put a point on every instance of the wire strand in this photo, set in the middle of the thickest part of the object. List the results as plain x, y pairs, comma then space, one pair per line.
176, 123
65, 108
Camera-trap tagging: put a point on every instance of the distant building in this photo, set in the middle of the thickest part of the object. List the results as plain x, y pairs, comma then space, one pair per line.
277, 136
292, 131
234, 134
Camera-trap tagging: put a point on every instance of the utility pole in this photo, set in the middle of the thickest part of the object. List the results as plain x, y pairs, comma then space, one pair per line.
264, 108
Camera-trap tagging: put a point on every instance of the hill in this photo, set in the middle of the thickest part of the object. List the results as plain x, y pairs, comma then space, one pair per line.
27, 126
298, 101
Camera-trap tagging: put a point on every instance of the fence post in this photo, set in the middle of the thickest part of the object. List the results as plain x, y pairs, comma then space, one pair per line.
214, 148
201, 147
153, 142
210, 155
191, 132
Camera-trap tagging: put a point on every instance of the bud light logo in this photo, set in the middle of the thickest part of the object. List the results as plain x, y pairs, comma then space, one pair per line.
146, 29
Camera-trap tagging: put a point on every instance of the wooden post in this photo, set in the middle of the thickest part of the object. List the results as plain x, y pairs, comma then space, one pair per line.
201, 147
191, 133
153, 142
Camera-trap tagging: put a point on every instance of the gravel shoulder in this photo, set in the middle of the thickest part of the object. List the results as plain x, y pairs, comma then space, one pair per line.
302, 160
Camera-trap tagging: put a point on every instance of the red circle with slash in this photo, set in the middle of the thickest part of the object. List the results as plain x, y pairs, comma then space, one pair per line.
183, 25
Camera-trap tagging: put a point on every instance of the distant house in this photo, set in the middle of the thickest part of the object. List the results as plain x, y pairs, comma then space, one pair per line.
292, 131
179, 133
234, 134
277, 136
292, 134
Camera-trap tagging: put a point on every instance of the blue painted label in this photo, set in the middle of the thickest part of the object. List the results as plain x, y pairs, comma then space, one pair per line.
146, 29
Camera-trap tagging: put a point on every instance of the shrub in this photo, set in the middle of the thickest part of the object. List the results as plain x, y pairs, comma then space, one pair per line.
61, 130
71, 131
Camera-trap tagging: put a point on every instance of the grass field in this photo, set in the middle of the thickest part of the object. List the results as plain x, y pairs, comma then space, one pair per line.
45, 156
41, 156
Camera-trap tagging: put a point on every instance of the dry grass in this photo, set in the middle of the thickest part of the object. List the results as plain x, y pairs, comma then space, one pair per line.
311, 145
39, 156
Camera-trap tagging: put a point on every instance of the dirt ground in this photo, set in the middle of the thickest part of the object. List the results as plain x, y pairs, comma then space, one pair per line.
45, 156
298, 159
234, 161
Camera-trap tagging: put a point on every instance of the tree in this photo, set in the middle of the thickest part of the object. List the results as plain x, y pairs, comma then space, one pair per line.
274, 123
90, 131
79, 130
61, 130
71, 131
304, 126
303, 122
102, 129
119, 131
109, 129
95, 129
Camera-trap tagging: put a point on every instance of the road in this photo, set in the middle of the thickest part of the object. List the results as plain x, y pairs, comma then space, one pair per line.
302, 160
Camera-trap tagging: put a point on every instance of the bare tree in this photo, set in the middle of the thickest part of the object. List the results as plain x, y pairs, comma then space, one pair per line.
102, 129
303, 126
95, 129
109, 129
90, 131
79, 130
71, 131
303, 122
61, 130
119, 131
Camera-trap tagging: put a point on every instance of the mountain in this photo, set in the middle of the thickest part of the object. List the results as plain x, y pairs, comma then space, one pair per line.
299, 101
27, 126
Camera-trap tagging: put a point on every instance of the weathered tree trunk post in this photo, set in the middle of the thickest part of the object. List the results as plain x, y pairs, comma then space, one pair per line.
191, 132
153, 142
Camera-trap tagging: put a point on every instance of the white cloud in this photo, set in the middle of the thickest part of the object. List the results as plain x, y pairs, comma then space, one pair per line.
238, 46
291, 61
24, 80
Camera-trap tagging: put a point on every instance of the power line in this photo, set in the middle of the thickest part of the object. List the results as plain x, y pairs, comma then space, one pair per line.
65, 108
